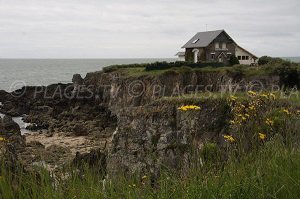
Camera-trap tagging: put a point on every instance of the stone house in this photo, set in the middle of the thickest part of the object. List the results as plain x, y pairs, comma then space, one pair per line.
216, 46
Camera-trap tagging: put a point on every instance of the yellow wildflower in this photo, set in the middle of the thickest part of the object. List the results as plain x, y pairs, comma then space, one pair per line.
2, 139
252, 107
231, 122
269, 122
144, 177
244, 119
233, 98
252, 93
272, 96
132, 186
189, 107
247, 115
229, 138
264, 95
262, 136
286, 111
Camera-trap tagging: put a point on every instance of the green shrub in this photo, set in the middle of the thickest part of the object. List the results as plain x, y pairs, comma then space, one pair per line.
233, 60
237, 72
264, 60
163, 65
289, 75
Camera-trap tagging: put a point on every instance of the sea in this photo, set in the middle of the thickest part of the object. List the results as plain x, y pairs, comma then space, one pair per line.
16, 73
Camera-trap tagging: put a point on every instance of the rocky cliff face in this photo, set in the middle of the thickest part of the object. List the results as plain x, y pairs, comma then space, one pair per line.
142, 132
159, 135
11, 143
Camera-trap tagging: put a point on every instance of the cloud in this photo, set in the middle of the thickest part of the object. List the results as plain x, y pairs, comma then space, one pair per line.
132, 28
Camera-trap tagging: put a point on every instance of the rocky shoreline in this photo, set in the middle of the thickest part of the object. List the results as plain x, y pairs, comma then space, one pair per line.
125, 118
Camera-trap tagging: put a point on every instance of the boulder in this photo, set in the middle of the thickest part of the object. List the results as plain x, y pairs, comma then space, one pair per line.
8, 126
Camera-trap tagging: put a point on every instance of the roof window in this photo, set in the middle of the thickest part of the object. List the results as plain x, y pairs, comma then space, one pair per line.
195, 41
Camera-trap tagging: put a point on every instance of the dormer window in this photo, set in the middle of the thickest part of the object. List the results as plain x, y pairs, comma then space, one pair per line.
217, 45
224, 45
195, 41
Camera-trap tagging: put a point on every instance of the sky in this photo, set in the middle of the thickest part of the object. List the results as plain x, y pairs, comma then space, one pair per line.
143, 28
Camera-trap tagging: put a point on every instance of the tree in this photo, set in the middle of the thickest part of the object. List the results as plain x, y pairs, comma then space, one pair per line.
264, 60
233, 60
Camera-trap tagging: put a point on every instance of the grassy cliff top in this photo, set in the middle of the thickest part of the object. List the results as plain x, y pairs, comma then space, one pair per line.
271, 67
291, 98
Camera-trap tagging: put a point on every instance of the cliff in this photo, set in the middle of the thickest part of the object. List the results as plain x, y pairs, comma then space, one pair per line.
134, 118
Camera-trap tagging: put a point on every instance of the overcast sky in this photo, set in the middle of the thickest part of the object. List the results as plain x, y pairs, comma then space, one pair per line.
142, 28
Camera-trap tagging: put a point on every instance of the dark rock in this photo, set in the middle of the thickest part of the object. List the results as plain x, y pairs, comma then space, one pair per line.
80, 130
8, 126
35, 144
94, 160
32, 127
77, 79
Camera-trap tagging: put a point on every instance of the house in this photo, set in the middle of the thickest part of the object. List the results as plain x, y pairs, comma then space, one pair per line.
216, 46
181, 56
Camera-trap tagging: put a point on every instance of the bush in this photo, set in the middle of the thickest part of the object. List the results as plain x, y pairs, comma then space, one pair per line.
233, 60
289, 76
237, 72
264, 60
163, 65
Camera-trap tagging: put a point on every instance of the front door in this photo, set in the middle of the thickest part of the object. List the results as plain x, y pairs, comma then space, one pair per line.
196, 52
222, 58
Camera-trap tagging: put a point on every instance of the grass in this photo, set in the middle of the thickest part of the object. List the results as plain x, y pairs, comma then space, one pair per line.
269, 168
242, 70
270, 172
136, 72
292, 98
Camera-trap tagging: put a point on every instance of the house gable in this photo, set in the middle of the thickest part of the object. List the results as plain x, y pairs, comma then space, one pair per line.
211, 45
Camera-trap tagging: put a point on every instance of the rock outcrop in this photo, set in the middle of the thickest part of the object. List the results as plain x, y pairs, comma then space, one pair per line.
11, 144
142, 131
159, 135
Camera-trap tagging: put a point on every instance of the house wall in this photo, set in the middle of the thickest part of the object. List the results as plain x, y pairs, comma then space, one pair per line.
205, 54
240, 53
181, 58
211, 48
189, 54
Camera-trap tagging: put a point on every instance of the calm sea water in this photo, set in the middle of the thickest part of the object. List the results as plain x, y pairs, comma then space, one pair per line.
293, 59
15, 73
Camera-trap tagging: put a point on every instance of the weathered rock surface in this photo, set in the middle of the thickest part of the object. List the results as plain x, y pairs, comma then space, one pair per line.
11, 143
159, 135
140, 132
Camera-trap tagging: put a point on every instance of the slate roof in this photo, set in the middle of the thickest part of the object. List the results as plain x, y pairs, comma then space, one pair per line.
204, 39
